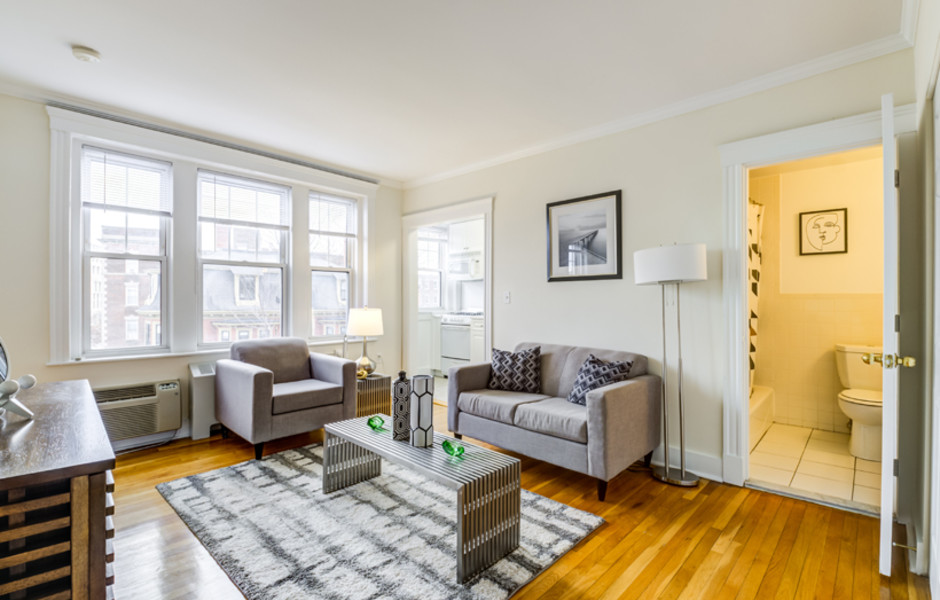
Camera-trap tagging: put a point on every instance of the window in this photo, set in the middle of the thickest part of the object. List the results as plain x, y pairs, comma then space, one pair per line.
126, 209
131, 293
243, 226
124, 244
431, 244
333, 250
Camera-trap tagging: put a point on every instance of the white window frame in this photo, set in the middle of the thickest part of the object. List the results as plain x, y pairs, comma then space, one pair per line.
441, 245
283, 263
352, 271
87, 255
70, 129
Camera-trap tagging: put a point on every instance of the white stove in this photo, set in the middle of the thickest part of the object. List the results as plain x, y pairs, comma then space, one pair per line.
460, 318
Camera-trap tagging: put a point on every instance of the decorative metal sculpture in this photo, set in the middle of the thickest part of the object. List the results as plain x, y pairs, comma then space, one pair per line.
422, 411
401, 409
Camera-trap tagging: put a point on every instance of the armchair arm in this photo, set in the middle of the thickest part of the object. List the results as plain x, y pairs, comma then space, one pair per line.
459, 380
623, 424
340, 371
243, 398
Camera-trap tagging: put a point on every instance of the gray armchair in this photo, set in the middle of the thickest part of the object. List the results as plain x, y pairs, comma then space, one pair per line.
276, 387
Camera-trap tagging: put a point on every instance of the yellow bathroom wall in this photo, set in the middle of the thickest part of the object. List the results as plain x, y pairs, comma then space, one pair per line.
808, 304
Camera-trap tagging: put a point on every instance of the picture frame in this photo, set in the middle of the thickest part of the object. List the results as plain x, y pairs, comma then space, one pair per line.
824, 231
583, 238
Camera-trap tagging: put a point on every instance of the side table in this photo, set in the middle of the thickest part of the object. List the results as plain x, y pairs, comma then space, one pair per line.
374, 395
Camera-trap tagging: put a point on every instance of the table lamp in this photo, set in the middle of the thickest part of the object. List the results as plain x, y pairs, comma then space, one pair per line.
364, 322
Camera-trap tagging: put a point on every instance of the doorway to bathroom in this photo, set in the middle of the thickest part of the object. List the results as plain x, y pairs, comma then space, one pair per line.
815, 275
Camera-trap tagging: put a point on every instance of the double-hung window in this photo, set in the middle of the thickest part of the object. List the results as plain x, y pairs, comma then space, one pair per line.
431, 243
126, 214
243, 249
333, 255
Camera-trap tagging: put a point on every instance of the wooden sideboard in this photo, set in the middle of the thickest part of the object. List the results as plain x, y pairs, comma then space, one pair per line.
55, 497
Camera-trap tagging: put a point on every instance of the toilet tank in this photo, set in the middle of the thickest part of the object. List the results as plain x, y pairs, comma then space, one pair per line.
853, 372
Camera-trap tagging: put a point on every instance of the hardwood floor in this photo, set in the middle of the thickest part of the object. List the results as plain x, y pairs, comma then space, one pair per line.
715, 541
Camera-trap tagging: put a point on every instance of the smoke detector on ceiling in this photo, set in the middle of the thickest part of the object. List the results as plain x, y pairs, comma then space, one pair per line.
86, 54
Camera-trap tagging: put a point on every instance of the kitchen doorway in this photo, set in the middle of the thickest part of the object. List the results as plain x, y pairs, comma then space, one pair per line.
447, 290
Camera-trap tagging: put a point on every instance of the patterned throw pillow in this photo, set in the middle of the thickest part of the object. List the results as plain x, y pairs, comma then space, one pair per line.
517, 371
594, 373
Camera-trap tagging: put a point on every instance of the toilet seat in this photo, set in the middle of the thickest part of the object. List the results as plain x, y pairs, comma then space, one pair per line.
860, 396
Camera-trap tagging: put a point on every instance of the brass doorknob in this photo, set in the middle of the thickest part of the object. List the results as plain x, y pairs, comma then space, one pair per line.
906, 361
870, 358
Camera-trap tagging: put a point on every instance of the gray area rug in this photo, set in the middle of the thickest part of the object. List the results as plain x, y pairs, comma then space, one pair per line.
277, 536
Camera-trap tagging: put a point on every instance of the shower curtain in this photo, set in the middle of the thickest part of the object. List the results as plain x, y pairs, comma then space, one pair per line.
755, 213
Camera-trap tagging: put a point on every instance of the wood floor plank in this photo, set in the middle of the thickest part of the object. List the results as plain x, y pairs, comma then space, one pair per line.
659, 541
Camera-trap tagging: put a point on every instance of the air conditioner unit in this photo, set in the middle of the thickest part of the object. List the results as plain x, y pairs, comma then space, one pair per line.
134, 415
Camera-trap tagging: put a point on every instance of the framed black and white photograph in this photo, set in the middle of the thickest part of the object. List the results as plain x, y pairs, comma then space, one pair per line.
824, 231
584, 238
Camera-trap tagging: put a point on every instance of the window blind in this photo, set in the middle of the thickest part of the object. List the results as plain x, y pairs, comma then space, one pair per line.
112, 180
238, 199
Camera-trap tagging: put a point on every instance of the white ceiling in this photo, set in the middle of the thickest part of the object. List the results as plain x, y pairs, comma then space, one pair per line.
412, 89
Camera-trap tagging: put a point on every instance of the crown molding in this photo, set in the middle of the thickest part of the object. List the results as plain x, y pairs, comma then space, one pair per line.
910, 11
830, 62
79, 105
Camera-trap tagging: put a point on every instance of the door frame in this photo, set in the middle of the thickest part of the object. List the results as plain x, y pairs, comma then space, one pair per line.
736, 158
453, 212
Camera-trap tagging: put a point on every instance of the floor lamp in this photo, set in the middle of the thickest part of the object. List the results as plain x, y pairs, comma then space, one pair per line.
667, 265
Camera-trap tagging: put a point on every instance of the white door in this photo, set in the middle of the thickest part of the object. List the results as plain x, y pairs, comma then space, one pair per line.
889, 387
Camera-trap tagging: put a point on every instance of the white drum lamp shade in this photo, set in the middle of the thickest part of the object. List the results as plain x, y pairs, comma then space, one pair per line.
670, 264
364, 322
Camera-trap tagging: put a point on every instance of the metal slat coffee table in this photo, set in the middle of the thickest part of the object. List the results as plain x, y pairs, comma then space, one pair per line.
487, 484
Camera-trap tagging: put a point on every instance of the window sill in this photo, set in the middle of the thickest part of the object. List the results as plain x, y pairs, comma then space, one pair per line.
156, 356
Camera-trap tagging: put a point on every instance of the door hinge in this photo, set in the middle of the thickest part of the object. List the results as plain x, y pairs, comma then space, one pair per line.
897, 323
897, 467
897, 178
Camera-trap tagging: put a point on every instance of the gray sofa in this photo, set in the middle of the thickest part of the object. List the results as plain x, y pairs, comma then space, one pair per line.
619, 425
276, 387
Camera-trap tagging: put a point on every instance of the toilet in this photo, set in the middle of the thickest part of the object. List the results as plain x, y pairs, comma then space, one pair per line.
861, 400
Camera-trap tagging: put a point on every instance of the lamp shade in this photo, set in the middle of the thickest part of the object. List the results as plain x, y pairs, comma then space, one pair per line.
364, 322
665, 264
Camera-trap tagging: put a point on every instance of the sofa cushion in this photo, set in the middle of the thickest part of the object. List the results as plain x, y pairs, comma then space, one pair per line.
555, 417
578, 355
307, 393
287, 358
516, 371
495, 405
594, 373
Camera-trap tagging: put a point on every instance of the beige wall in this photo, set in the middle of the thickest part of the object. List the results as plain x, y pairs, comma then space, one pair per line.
24, 264
670, 175
808, 304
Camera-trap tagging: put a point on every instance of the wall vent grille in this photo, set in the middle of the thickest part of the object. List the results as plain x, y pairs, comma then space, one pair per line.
125, 393
130, 421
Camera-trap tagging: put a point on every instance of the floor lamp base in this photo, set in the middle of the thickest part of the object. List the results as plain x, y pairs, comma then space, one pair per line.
674, 476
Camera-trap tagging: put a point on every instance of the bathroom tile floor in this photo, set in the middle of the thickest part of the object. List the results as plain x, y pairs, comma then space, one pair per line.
815, 464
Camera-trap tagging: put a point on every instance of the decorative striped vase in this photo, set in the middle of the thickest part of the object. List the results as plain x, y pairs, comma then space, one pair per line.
401, 409
422, 411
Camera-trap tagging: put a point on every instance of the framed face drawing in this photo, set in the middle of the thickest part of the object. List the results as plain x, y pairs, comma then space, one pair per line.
824, 232
584, 238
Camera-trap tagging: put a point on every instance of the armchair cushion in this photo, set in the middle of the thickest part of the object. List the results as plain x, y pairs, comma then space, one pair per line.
555, 417
307, 393
496, 405
287, 358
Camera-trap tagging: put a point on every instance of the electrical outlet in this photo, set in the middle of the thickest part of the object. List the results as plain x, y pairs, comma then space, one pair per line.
507, 298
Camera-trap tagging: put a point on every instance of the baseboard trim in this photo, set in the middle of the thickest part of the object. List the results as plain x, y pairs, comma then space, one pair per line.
703, 465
